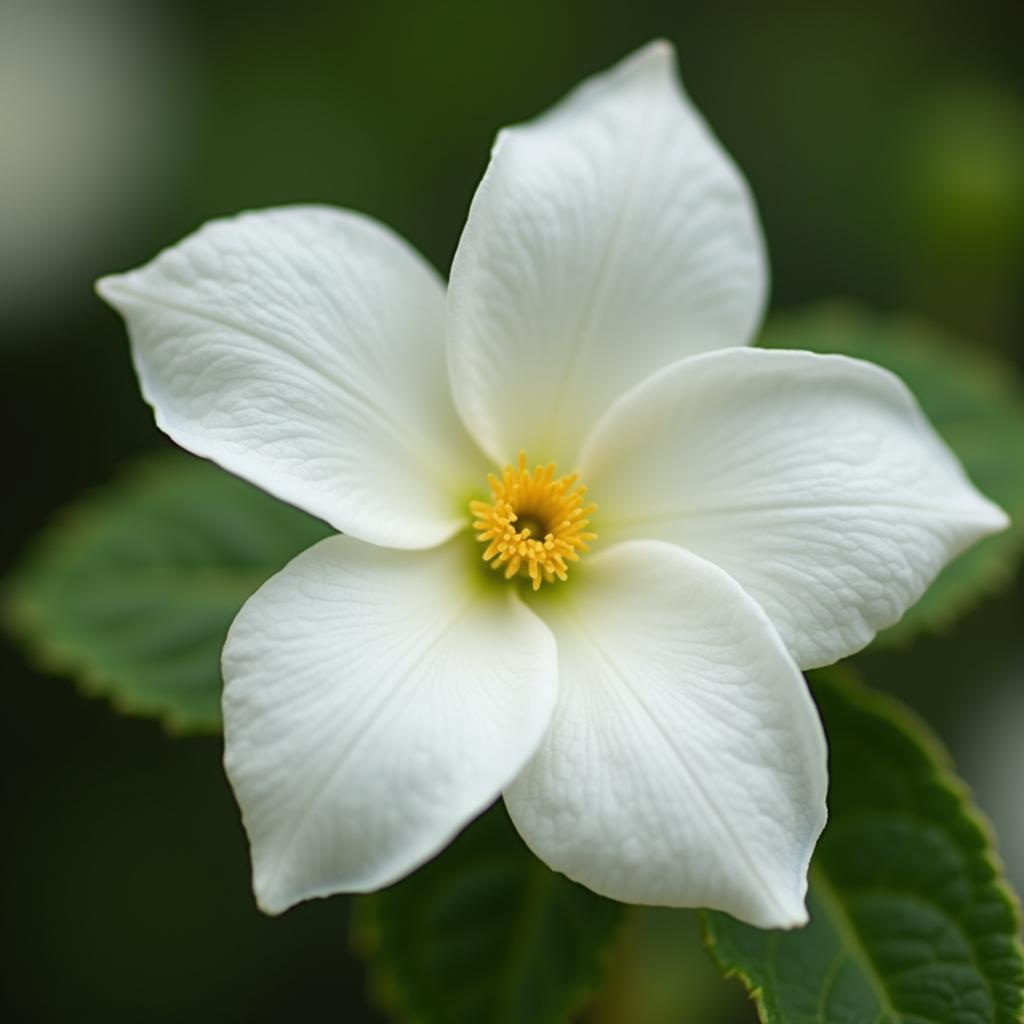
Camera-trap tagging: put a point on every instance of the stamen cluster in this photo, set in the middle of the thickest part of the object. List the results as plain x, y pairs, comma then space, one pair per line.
536, 523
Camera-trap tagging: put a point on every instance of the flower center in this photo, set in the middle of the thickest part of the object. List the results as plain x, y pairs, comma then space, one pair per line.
535, 523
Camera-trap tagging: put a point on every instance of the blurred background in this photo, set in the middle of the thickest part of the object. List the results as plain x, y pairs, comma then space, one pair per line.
885, 144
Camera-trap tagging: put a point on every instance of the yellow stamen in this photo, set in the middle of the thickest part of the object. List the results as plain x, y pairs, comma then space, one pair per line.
535, 523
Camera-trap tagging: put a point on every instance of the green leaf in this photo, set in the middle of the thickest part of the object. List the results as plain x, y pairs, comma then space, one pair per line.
485, 932
911, 921
132, 589
975, 401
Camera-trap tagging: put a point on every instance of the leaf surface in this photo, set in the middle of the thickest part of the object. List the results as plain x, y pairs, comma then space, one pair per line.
132, 588
911, 922
485, 932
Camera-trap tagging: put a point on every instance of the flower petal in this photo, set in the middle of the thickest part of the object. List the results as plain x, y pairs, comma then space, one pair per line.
685, 763
608, 238
303, 348
815, 481
375, 701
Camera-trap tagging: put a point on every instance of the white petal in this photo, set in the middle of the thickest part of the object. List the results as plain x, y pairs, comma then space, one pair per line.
815, 481
685, 763
303, 348
608, 238
375, 701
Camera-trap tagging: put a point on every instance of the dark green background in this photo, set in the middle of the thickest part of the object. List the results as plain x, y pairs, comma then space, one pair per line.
885, 145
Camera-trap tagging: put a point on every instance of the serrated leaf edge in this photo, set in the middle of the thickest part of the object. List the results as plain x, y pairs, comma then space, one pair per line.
909, 722
20, 617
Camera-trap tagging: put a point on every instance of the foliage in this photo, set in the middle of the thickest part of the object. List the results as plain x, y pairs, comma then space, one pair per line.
910, 920
132, 588
485, 932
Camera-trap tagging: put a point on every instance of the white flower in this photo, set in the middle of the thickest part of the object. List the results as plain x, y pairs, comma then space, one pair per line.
759, 512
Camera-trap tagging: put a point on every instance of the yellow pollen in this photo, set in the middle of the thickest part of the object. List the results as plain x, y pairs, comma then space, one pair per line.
535, 524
